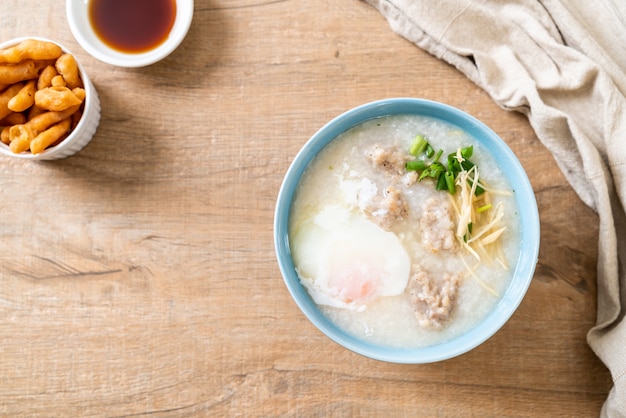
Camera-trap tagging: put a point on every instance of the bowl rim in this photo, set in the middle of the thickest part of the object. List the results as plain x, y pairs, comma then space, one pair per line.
529, 229
78, 21
91, 100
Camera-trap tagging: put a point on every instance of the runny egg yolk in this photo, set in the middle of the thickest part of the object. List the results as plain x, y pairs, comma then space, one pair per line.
347, 261
359, 280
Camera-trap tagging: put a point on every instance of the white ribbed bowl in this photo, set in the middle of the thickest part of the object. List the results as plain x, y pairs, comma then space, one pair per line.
82, 133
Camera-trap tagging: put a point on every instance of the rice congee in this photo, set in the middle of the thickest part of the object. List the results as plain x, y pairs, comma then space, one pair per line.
403, 229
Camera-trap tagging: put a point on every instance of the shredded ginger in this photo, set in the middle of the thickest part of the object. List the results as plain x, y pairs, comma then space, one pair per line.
479, 220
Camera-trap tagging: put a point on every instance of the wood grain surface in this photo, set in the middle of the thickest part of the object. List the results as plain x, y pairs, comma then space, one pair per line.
138, 277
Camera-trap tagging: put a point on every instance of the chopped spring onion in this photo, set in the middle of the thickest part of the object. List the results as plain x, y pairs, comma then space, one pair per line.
430, 151
467, 152
416, 165
441, 183
449, 176
438, 155
483, 208
433, 171
418, 146
445, 176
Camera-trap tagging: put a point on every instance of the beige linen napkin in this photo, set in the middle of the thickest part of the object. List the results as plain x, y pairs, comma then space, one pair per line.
562, 63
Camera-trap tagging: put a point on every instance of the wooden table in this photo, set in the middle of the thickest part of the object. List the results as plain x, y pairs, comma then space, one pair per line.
138, 278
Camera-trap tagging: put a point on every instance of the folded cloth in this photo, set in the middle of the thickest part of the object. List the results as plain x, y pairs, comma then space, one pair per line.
562, 63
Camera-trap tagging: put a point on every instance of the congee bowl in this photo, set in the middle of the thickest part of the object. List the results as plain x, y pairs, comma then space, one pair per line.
85, 129
77, 12
521, 265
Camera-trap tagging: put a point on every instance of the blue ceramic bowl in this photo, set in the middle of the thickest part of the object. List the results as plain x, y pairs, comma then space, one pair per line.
524, 196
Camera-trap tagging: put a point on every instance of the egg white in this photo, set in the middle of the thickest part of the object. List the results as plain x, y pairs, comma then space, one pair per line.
347, 261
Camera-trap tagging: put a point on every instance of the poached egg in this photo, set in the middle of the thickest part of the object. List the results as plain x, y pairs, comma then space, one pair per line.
346, 261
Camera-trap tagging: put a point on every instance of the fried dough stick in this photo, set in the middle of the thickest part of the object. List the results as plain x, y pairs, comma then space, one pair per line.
30, 49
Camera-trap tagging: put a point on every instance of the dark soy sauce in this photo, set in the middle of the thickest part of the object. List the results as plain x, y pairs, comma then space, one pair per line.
132, 26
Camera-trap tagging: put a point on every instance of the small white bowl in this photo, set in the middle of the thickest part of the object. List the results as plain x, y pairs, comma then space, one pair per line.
84, 130
78, 19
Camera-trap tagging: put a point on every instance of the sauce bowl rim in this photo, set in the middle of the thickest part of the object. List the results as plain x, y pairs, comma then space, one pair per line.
78, 20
